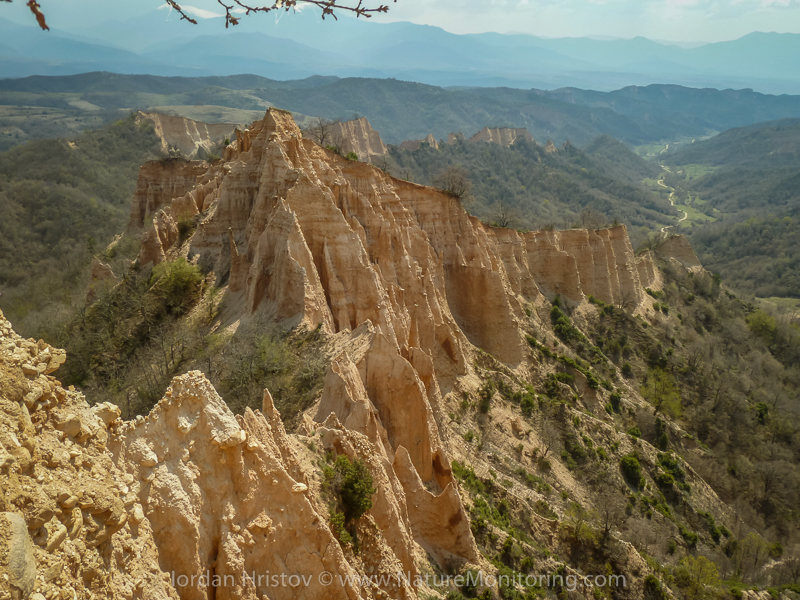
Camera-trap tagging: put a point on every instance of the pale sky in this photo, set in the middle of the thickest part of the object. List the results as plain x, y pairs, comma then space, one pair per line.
677, 20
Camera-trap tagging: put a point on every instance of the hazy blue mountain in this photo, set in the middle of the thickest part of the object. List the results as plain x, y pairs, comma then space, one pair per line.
296, 45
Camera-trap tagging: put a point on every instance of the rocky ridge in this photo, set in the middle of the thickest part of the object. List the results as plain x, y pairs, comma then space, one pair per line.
410, 289
413, 145
505, 136
359, 137
190, 137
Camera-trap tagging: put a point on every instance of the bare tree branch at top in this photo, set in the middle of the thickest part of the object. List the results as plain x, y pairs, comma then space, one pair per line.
328, 7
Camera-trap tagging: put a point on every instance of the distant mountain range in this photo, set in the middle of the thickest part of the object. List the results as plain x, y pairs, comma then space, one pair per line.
300, 45
402, 110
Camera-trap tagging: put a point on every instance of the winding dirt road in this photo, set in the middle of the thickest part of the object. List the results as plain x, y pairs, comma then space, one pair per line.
671, 201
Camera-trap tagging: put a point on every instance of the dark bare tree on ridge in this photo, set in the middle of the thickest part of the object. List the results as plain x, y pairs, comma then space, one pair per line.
359, 8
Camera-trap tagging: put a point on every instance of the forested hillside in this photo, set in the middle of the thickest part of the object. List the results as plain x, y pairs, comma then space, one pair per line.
526, 187
62, 202
402, 110
750, 177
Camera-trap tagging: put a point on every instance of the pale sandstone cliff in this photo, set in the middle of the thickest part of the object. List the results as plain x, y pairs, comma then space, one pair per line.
677, 247
93, 506
307, 236
505, 136
159, 182
405, 283
358, 136
413, 145
188, 136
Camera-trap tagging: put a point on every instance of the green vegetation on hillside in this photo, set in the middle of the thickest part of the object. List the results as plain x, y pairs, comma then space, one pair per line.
526, 187
741, 190
62, 202
402, 110
720, 376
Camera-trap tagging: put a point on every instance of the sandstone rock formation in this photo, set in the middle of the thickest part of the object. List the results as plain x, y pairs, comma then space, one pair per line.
188, 136
102, 277
413, 145
311, 237
550, 147
677, 247
505, 136
192, 501
159, 182
358, 136
409, 289
71, 525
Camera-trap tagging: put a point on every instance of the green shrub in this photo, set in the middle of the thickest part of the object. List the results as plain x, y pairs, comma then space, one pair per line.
563, 327
468, 477
528, 404
635, 432
351, 156
631, 470
689, 536
352, 483
627, 370
178, 283
654, 589
615, 399
337, 522
485, 394
665, 481
776, 550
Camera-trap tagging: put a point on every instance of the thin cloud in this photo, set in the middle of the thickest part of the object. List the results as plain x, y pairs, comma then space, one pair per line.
200, 13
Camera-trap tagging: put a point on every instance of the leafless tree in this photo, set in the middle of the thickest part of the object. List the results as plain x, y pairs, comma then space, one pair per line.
791, 569
454, 180
591, 218
504, 215
549, 434
626, 300
610, 513
359, 8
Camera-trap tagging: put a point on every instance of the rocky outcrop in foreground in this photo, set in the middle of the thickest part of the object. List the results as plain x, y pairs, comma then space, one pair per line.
94, 506
406, 286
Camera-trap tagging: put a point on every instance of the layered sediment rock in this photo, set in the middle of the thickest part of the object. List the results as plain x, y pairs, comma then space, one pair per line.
677, 247
358, 136
505, 136
159, 182
220, 496
307, 236
413, 145
194, 502
188, 136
